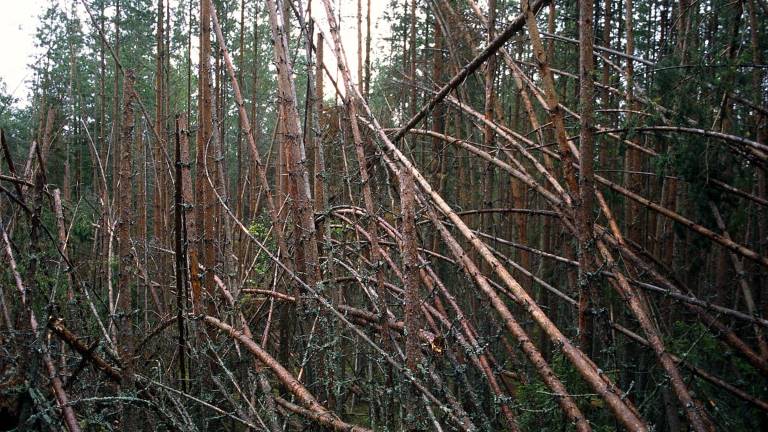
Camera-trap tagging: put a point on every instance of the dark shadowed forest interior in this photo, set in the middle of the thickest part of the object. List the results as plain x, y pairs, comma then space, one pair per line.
469, 215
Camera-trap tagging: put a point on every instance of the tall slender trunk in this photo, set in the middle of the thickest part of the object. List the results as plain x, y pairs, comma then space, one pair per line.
368, 50
101, 141
240, 70
486, 195
254, 175
321, 182
409, 252
62, 231
180, 250
160, 199
683, 25
584, 211
606, 69
633, 213
292, 140
360, 81
124, 318
190, 227
412, 56
205, 217
140, 229
438, 115
116, 103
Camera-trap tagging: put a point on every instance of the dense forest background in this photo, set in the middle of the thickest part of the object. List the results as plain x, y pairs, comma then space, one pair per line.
547, 215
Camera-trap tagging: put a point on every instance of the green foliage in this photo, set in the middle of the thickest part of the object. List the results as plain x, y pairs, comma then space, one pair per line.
15, 121
698, 346
260, 229
540, 411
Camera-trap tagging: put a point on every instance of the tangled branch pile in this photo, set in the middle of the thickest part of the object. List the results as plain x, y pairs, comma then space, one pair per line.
536, 216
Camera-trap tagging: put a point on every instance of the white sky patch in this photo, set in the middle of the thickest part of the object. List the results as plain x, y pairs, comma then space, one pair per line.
19, 20
348, 32
18, 23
